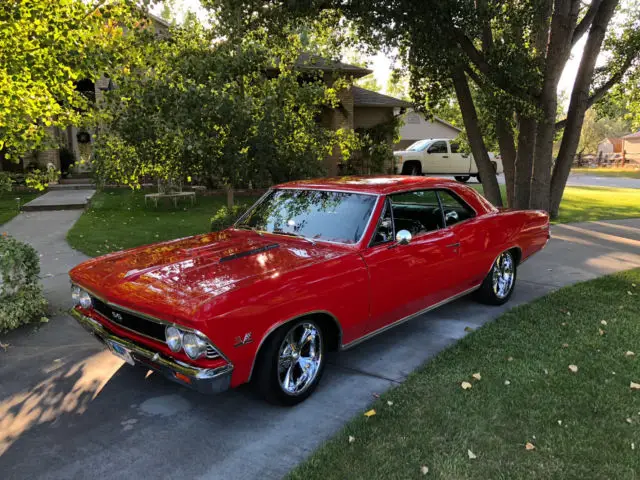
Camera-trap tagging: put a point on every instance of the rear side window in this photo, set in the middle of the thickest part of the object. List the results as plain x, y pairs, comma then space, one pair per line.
455, 209
454, 147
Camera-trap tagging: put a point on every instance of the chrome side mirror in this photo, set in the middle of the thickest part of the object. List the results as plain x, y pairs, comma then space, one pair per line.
403, 237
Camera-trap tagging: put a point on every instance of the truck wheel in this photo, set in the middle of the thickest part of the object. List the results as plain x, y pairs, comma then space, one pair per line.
462, 178
411, 168
291, 363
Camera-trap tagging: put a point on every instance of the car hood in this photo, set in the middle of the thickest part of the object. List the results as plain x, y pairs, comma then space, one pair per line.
175, 278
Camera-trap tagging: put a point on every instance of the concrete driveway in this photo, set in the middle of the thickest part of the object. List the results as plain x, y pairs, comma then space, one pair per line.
68, 409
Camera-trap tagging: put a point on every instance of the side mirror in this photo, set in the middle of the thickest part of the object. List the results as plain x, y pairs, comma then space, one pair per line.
403, 237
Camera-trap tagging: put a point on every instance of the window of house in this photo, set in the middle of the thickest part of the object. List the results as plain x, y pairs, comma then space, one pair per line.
438, 147
455, 210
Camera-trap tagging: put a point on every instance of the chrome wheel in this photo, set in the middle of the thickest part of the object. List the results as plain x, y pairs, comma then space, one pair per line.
503, 275
299, 358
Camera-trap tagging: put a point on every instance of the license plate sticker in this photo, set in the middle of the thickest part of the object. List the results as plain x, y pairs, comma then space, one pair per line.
120, 351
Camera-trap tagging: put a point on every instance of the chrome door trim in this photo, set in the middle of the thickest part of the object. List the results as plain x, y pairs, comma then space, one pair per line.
407, 318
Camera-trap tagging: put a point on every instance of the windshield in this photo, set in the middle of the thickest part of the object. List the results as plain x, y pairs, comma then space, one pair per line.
314, 214
418, 146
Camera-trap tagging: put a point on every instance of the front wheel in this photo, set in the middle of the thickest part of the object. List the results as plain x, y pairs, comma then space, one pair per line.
462, 178
498, 285
291, 364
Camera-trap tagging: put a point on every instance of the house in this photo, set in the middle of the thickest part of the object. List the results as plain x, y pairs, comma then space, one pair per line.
631, 147
609, 147
417, 127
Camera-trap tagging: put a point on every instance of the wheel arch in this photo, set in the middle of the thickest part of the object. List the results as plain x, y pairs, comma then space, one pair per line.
330, 325
407, 164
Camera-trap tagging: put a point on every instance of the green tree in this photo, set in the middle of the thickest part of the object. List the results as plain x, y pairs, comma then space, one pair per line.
233, 113
514, 52
45, 50
595, 129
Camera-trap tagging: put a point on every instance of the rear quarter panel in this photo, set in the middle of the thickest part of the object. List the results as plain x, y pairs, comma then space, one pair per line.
338, 287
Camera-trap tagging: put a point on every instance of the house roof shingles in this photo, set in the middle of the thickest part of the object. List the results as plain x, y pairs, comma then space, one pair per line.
633, 135
367, 98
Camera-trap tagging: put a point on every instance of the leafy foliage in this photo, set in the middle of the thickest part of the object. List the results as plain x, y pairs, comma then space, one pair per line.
6, 183
229, 113
595, 129
45, 51
21, 299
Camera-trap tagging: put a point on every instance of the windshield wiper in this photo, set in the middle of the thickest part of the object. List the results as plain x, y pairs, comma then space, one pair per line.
297, 235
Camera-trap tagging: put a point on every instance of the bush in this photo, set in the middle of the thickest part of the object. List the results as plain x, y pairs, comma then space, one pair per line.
21, 299
6, 182
224, 217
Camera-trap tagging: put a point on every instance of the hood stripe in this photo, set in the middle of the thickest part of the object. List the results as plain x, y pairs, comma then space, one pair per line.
249, 252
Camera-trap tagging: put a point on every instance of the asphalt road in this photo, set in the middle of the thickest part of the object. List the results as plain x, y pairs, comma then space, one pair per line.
69, 409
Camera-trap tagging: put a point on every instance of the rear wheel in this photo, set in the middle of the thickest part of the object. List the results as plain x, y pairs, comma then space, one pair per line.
291, 363
462, 178
497, 287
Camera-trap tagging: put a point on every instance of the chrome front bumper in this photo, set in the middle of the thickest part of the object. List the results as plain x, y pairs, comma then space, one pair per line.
204, 380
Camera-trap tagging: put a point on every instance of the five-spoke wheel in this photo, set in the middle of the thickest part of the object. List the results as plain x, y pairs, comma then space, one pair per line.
291, 362
498, 284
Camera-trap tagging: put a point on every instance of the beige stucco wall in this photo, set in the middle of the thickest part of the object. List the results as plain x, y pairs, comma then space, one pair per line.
632, 146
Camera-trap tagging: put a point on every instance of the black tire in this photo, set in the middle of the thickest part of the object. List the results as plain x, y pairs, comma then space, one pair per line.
462, 178
491, 294
411, 168
267, 377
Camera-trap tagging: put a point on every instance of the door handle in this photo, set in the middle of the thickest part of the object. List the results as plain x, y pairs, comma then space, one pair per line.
454, 245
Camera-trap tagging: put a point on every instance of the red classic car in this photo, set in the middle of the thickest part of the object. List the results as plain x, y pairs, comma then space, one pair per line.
313, 266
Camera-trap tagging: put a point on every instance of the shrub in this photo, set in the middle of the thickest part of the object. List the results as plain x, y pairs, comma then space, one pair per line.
40, 180
21, 299
225, 218
6, 182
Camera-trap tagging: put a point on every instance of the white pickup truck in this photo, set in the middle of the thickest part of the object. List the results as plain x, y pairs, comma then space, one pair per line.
442, 157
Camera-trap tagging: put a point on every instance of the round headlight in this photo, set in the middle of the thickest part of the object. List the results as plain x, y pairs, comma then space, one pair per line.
85, 299
75, 295
193, 345
174, 338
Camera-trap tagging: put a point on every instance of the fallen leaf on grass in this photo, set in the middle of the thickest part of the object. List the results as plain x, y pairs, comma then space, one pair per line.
352, 439
476, 376
507, 382
510, 359
603, 322
629, 353
546, 372
633, 285
601, 331
573, 368
465, 385
559, 422
370, 413
565, 345
630, 293
390, 403
565, 311
471, 455
4, 346
629, 420
424, 469
529, 446
634, 386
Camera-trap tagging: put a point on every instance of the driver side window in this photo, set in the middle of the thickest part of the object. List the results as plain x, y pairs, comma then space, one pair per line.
438, 147
418, 212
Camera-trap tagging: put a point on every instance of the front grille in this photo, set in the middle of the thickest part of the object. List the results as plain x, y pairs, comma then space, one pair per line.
127, 320
140, 325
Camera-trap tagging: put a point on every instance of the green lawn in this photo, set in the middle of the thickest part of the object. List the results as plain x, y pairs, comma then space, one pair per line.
581, 425
119, 219
609, 172
9, 204
581, 204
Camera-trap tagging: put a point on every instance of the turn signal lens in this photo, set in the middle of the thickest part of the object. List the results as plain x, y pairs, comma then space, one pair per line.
174, 338
193, 345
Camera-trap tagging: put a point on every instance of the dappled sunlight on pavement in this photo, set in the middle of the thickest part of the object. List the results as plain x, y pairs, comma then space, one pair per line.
68, 390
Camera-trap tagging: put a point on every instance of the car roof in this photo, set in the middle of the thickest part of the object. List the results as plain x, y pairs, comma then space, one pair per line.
377, 185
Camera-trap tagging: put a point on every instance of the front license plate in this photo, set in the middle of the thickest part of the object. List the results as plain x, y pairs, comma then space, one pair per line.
120, 351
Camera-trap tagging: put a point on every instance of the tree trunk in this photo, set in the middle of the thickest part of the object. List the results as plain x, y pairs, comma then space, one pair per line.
578, 103
478, 148
524, 162
508, 154
230, 200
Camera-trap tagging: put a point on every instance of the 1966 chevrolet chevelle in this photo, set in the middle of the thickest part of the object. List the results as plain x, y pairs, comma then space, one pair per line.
313, 266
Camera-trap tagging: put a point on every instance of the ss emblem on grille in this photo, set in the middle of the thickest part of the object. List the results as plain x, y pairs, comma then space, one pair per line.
116, 316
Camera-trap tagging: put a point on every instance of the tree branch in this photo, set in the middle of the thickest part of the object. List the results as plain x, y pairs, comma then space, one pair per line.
586, 21
480, 62
602, 90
